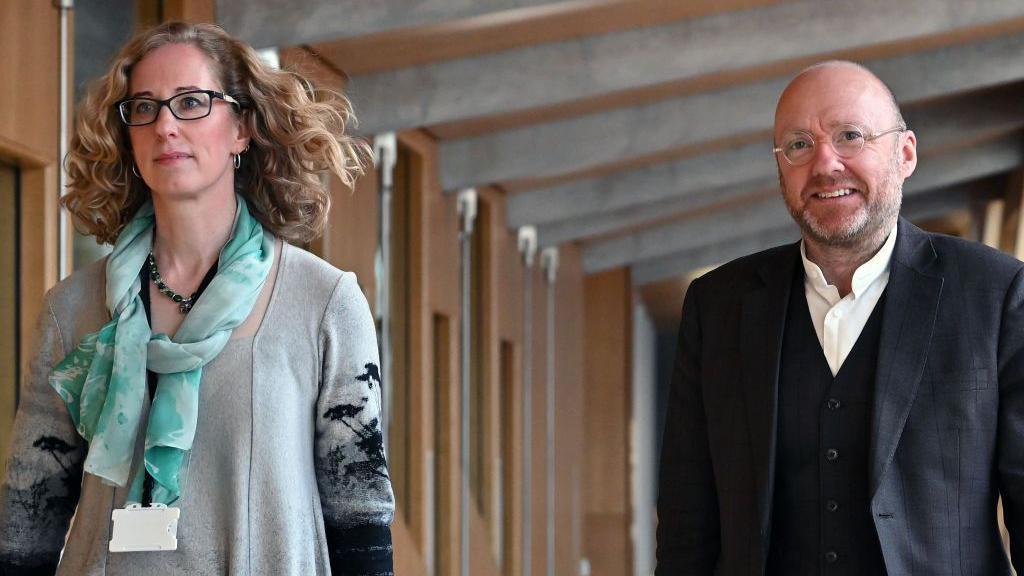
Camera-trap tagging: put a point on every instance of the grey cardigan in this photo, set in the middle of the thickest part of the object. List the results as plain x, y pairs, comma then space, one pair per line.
287, 473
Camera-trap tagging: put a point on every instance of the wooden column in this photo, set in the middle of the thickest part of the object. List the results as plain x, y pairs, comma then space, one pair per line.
607, 393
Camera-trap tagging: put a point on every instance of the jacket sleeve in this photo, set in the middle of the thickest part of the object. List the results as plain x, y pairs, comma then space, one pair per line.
43, 474
352, 475
1010, 428
688, 525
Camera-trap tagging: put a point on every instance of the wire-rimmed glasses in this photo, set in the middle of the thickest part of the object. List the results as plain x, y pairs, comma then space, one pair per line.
847, 141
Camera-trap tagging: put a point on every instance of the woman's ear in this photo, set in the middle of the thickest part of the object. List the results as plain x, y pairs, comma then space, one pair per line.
242, 134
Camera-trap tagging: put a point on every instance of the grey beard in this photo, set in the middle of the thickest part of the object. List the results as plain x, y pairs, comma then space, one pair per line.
863, 227
866, 225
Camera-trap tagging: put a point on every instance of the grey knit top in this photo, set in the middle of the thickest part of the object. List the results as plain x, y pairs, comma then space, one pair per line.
287, 472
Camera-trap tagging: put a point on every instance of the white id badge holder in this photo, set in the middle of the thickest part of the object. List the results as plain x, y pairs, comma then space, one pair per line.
149, 529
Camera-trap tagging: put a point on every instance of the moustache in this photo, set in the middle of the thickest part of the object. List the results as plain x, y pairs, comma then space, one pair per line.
841, 181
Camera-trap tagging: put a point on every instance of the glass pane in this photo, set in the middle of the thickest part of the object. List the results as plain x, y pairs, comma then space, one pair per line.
480, 256
8, 303
101, 28
399, 440
509, 400
445, 513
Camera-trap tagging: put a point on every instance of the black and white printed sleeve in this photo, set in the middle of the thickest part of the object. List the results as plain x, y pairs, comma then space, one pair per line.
43, 475
352, 474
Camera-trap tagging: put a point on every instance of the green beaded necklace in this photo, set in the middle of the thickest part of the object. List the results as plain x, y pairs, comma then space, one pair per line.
184, 304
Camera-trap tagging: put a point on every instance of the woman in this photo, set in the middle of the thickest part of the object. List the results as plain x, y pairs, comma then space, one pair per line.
201, 165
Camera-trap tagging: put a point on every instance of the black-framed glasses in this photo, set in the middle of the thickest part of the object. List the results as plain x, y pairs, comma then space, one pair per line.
191, 105
847, 140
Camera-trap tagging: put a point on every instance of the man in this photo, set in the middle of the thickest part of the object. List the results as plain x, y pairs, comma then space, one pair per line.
854, 403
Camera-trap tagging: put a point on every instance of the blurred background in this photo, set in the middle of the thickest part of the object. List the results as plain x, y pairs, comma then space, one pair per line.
550, 176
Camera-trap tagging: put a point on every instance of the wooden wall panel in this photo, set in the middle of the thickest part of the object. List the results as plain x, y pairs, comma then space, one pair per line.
509, 313
29, 95
439, 294
350, 239
423, 455
190, 10
29, 122
418, 174
39, 239
442, 280
571, 336
607, 415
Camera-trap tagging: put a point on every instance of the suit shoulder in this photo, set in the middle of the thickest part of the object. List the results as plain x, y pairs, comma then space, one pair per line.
736, 273
974, 259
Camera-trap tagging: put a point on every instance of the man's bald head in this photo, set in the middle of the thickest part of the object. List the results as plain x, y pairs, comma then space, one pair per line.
846, 69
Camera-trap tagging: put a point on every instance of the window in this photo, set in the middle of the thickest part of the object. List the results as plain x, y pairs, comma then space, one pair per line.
400, 448
479, 361
445, 508
509, 437
9, 319
101, 28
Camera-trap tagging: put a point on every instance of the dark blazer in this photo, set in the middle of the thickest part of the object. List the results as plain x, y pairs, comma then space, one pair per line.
947, 433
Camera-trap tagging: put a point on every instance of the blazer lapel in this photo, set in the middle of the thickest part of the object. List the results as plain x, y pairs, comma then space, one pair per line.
762, 324
911, 306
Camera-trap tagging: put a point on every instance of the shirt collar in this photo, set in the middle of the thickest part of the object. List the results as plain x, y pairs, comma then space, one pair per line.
865, 274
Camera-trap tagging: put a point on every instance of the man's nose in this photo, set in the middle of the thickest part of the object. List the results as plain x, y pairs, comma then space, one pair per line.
825, 161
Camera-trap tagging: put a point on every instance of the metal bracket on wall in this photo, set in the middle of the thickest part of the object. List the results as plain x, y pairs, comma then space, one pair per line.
526, 238
467, 207
549, 264
467, 201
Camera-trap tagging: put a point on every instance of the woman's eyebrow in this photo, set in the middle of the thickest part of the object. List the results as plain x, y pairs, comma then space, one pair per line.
176, 90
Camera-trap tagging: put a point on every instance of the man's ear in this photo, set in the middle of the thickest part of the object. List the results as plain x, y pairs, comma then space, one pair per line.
908, 153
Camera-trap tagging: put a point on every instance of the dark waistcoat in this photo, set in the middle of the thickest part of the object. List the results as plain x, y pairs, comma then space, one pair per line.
820, 519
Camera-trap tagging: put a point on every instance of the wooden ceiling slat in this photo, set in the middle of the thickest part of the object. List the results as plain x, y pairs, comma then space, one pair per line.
552, 73
285, 23
587, 141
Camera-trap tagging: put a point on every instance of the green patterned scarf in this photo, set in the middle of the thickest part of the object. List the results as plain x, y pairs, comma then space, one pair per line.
103, 380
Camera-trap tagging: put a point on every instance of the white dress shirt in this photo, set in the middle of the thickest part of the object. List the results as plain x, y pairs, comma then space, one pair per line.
839, 321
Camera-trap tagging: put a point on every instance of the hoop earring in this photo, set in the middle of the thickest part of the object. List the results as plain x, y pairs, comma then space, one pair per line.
135, 171
238, 161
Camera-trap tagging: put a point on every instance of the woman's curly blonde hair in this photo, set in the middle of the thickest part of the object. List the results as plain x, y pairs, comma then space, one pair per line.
297, 133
